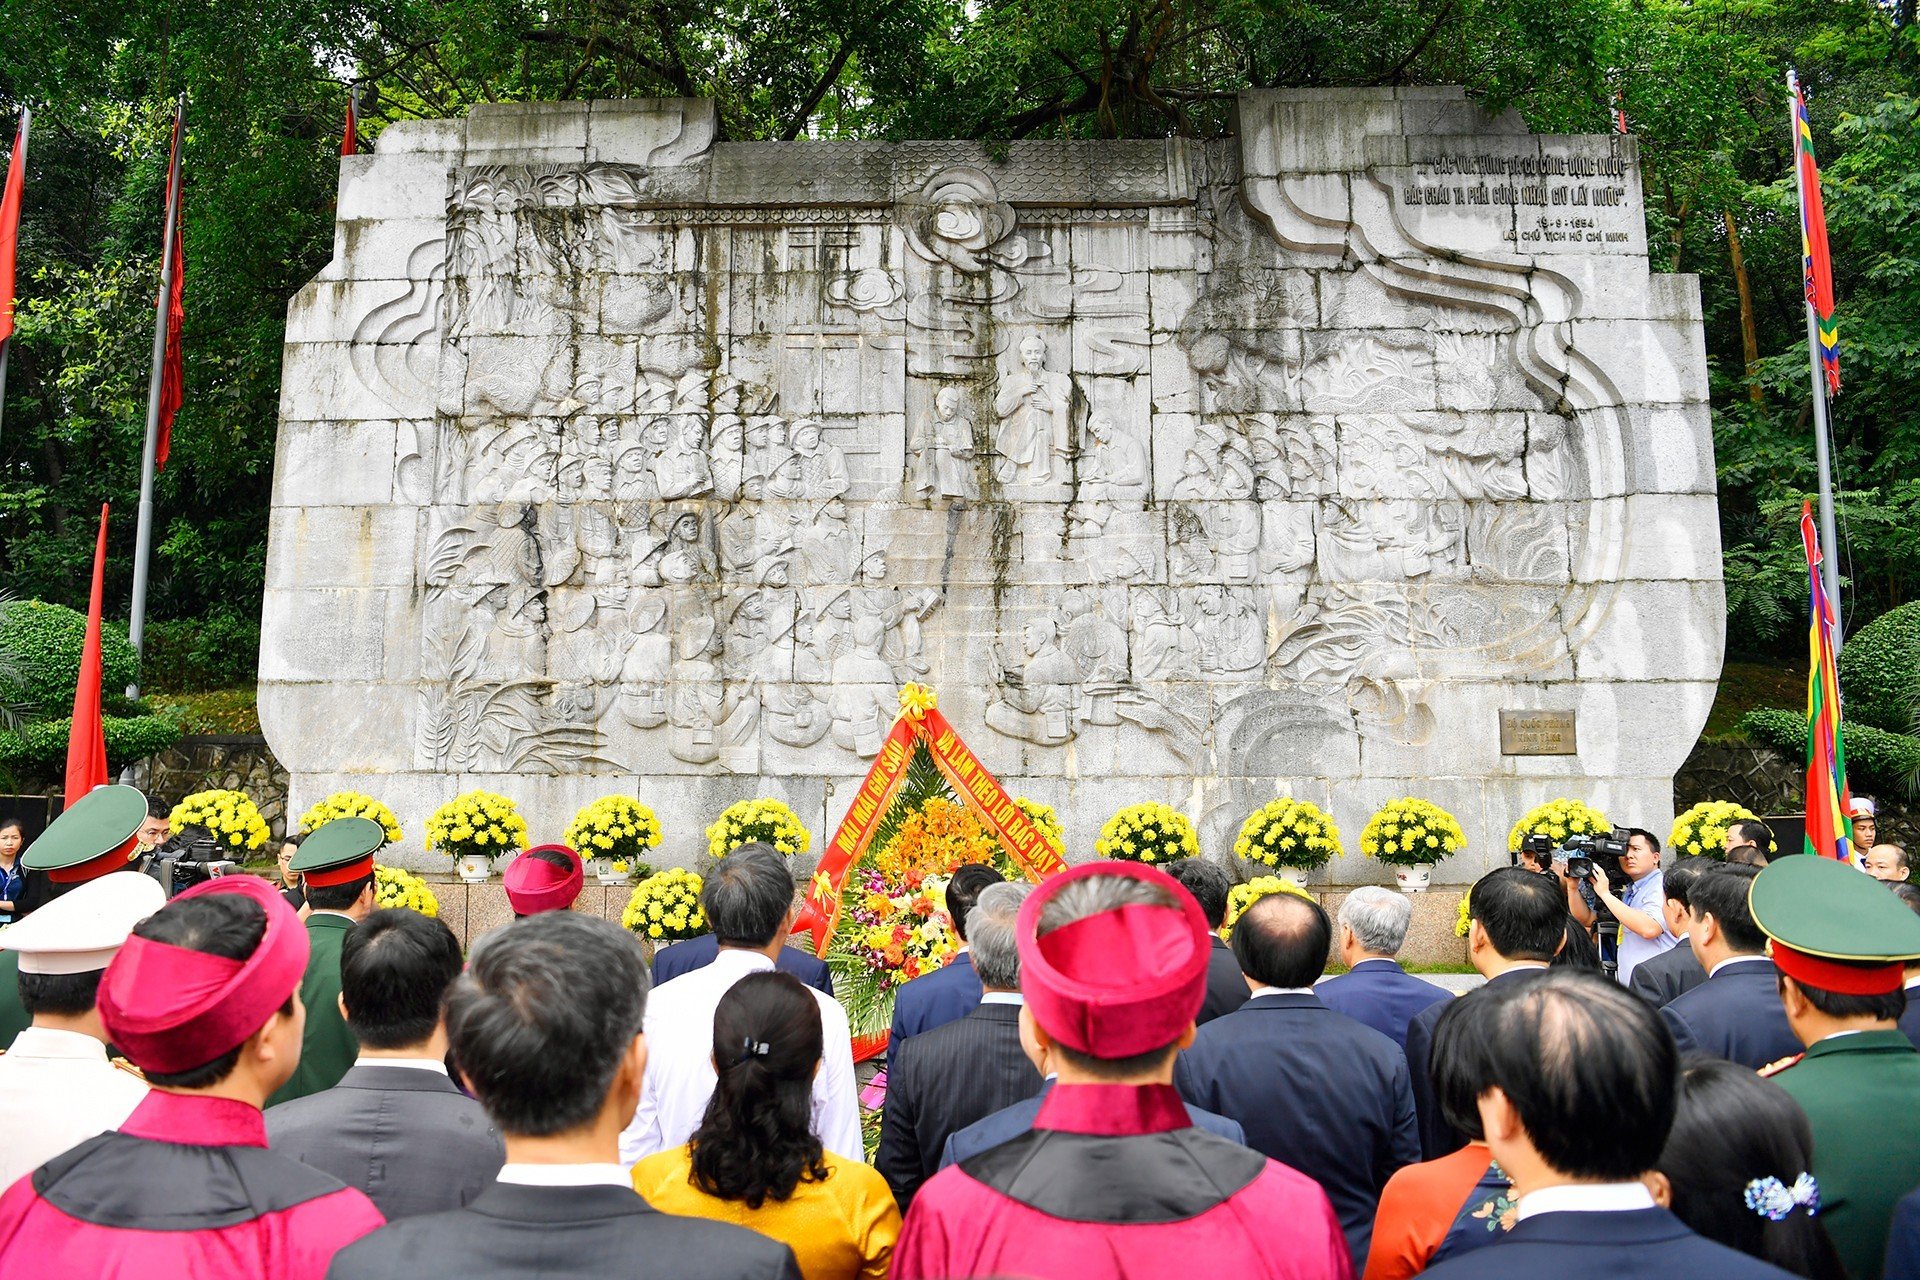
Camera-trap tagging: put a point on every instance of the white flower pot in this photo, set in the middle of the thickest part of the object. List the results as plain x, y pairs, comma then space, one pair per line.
1414, 879
609, 878
473, 868
1294, 875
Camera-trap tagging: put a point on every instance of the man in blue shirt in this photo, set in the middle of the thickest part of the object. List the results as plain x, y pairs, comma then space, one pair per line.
1641, 911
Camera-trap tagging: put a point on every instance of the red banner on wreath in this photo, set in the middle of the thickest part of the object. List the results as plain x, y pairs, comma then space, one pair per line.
979, 790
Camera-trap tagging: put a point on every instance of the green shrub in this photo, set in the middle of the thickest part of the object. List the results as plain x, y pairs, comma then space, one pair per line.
1877, 761
222, 711
41, 747
1880, 670
46, 641
194, 655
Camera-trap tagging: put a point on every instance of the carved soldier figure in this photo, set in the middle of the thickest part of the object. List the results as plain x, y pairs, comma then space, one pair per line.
1232, 637
1113, 469
681, 470
1036, 703
863, 699
943, 450
814, 469
1035, 407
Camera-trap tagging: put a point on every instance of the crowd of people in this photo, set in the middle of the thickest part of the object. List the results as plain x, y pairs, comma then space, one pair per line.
1099, 1084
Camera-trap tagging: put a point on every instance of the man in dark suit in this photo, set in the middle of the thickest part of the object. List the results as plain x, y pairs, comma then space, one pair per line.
545, 1024
1517, 923
1375, 990
1677, 970
697, 953
1563, 1049
953, 990
395, 1126
1735, 1014
943, 1080
1313, 1089
1210, 884
1910, 1018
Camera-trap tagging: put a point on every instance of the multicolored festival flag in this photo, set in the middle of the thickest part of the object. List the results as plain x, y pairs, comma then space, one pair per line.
1817, 263
1828, 831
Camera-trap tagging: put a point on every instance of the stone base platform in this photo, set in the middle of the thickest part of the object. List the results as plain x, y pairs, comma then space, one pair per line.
472, 909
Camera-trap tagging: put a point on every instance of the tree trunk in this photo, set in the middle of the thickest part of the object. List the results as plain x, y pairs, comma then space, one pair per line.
1749, 333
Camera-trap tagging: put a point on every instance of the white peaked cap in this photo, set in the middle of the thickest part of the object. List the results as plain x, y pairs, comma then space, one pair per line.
80, 930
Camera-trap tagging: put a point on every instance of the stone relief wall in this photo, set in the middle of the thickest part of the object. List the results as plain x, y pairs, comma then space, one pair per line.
613, 457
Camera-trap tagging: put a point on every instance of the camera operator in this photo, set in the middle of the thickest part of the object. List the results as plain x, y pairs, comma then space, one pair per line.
1538, 853
1641, 910
190, 857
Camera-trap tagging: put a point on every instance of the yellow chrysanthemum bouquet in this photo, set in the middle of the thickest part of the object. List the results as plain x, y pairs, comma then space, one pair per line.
351, 804
1147, 832
1242, 896
1288, 833
393, 887
1410, 832
1703, 829
764, 819
1559, 819
1046, 820
617, 830
666, 907
229, 816
478, 824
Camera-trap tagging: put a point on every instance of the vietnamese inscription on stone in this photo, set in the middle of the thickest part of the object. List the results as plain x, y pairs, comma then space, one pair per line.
1537, 733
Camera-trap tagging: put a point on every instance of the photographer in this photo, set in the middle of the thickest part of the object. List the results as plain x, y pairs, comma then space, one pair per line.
1641, 910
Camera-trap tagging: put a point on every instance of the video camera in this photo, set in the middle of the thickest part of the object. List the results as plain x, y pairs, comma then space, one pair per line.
1585, 855
192, 857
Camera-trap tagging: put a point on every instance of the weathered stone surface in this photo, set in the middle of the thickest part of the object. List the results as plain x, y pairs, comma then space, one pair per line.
614, 458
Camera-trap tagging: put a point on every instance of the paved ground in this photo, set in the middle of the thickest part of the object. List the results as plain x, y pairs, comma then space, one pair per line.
1458, 983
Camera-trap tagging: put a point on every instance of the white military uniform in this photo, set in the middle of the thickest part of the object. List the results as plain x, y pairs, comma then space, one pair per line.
57, 1086
57, 1089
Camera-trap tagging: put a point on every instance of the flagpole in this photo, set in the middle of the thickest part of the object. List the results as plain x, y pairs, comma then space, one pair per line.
1830, 562
19, 157
143, 538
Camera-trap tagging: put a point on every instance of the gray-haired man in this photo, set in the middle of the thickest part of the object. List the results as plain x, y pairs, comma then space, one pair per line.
943, 1080
1375, 989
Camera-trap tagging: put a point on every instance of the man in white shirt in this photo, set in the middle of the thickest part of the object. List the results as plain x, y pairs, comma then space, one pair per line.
545, 1025
748, 900
57, 1088
1563, 1051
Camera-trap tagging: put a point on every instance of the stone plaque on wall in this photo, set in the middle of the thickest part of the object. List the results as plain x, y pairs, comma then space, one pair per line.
1537, 733
615, 458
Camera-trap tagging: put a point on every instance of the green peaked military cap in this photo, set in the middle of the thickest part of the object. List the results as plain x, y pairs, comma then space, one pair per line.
92, 836
339, 851
1832, 926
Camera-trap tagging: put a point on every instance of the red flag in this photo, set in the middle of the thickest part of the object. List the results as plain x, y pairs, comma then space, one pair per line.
86, 737
10, 197
172, 379
350, 140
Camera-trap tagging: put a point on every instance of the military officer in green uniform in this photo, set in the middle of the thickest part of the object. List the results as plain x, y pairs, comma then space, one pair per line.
1840, 941
97, 834
335, 864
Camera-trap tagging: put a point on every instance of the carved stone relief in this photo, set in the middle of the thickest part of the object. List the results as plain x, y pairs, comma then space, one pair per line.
1159, 461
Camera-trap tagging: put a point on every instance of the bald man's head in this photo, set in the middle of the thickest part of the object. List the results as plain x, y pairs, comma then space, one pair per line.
1282, 941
